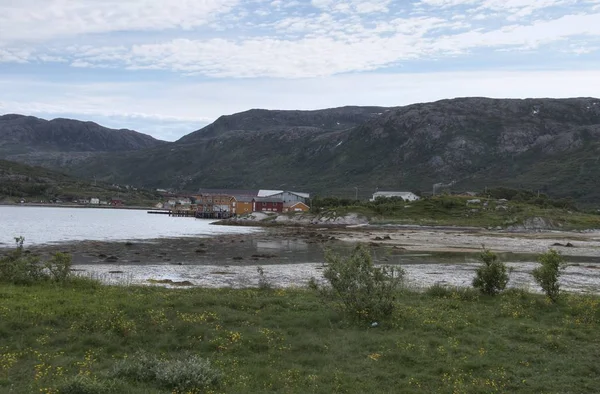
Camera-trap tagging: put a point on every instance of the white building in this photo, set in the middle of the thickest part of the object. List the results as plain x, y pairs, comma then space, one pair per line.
406, 196
94, 201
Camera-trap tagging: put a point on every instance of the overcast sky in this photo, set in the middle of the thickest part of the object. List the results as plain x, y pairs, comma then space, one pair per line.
167, 68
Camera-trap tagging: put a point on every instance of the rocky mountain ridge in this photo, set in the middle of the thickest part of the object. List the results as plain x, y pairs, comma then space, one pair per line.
551, 145
21, 134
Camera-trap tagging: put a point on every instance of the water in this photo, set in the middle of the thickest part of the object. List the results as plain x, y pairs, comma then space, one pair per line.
49, 225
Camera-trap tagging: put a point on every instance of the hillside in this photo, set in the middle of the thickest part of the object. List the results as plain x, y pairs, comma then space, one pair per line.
25, 136
35, 184
550, 145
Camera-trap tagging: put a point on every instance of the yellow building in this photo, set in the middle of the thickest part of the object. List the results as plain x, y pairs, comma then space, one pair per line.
242, 205
297, 206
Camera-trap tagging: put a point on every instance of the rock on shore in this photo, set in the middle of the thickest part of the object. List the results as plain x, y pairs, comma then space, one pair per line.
299, 219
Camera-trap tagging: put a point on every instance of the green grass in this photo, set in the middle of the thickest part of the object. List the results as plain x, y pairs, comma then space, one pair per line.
454, 211
75, 338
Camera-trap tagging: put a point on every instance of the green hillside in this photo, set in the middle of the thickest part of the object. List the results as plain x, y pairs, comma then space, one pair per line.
35, 184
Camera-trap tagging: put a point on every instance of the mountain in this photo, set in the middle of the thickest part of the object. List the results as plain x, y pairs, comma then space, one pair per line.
35, 184
551, 145
28, 135
289, 122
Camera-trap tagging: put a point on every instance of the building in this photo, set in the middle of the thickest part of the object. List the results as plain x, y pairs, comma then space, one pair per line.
267, 204
94, 201
285, 196
406, 196
215, 203
242, 205
297, 206
116, 202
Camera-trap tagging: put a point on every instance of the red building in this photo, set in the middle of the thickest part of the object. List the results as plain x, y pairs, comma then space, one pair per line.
267, 204
116, 202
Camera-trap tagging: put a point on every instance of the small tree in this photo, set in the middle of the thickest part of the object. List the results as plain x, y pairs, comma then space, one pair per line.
20, 268
552, 265
367, 292
492, 276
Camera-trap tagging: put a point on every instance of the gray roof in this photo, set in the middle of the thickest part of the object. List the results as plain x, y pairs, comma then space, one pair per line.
231, 192
399, 194
243, 198
267, 199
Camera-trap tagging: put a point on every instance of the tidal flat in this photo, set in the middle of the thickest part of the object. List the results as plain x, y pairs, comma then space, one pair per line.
290, 257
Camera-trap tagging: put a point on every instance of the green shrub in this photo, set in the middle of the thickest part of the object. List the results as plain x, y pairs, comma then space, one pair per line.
59, 267
552, 265
83, 384
20, 268
366, 292
492, 276
263, 282
192, 372
461, 293
188, 373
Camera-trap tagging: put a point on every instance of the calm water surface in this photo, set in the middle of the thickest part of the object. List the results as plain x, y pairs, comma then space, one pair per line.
45, 225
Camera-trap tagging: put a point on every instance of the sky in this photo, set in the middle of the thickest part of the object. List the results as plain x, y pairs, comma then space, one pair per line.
167, 68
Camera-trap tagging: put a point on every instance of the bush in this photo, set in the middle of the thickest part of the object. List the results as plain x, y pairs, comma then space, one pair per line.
22, 269
188, 373
492, 276
461, 293
83, 384
552, 265
263, 282
366, 292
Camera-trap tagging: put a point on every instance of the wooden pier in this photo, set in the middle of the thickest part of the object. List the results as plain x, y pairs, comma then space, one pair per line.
182, 213
160, 212
193, 213
213, 215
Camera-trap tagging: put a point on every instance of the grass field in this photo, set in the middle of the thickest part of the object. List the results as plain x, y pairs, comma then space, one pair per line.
88, 338
456, 211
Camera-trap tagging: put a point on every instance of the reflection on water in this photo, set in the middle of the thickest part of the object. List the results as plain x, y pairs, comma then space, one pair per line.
285, 246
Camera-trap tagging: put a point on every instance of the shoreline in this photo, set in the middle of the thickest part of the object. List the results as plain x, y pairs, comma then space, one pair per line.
409, 238
42, 205
291, 256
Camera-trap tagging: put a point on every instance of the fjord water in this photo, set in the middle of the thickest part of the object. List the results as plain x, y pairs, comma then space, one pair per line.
48, 225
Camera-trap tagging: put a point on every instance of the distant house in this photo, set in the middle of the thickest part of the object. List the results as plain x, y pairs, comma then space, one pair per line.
94, 201
184, 201
406, 196
298, 206
267, 204
116, 202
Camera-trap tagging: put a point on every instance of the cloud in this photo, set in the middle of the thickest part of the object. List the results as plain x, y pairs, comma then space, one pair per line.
43, 20
314, 38
330, 51
353, 6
